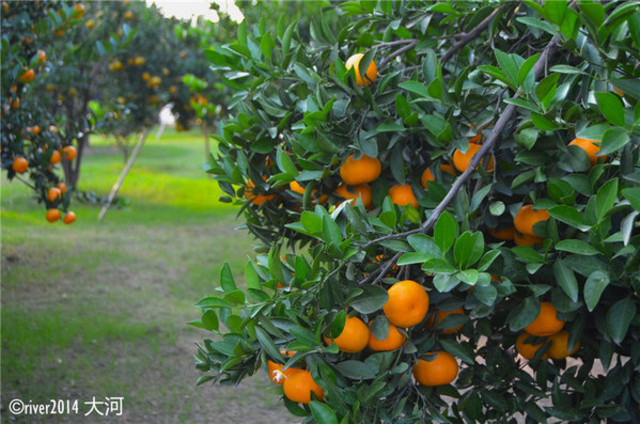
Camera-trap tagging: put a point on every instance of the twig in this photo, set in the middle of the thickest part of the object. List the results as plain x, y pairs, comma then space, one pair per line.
31, 186
486, 148
398, 52
381, 271
466, 38
396, 43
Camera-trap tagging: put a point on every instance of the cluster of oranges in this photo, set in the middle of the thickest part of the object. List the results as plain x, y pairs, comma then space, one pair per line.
549, 327
407, 306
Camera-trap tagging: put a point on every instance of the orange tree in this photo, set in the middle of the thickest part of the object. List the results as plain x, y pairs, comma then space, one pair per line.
447, 222
33, 142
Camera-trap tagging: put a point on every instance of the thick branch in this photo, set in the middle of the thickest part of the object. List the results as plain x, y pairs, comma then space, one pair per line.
469, 36
505, 117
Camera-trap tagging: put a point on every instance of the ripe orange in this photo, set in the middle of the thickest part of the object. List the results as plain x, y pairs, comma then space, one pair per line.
60, 32
360, 171
55, 157
20, 165
54, 194
527, 218
527, 240
275, 371
53, 215
546, 323
528, 350
253, 198
42, 57
128, 14
427, 176
436, 318
69, 218
35, 130
63, 188
407, 305
448, 168
394, 340
78, 11
299, 385
442, 369
477, 138
354, 336
295, 186
559, 348
372, 70
69, 153
403, 195
590, 149
28, 76
353, 192
16, 103
146, 76
504, 234
90, 24
462, 160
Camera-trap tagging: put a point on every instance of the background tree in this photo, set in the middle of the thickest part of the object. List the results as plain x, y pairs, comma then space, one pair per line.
451, 236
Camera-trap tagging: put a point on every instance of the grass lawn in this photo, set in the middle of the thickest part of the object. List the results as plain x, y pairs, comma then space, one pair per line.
100, 308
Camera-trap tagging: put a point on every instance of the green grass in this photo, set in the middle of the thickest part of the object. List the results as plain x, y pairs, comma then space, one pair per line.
100, 308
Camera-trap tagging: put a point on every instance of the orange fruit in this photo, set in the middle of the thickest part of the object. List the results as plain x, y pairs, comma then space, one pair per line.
546, 323
617, 90
370, 75
54, 194
28, 76
436, 318
69, 153
528, 350
299, 385
448, 168
42, 57
69, 218
63, 188
407, 305
353, 192
146, 76
427, 176
20, 165
295, 186
527, 218
590, 149
60, 32
55, 157
354, 336
394, 340
403, 195
90, 24
53, 215
442, 369
256, 199
504, 234
78, 11
462, 160
128, 14
35, 130
476, 138
360, 171
559, 348
277, 375
527, 240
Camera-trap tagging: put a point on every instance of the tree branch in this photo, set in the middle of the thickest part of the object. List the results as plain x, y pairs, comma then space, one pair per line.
398, 52
382, 270
467, 37
505, 117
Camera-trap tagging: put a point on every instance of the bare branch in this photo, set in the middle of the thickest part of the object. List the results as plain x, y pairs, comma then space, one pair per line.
469, 36
398, 52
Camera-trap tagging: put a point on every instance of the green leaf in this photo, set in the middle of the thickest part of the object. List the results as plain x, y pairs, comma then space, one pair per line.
525, 69
438, 266
424, 244
611, 107
468, 249
577, 246
619, 318
210, 320
213, 302
566, 279
524, 314
311, 222
251, 277
415, 87
496, 73
593, 288
528, 254
487, 259
567, 69
555, 10
508, 65
527, 137
323, 413
537, 23
286, 38
546, 89
485, 294
403, 109
543, 123
459, 350
613, 140
357, 370
606, 198
438, 127
570, 216
331, 231
633, 196
268, 345
226, 279
445, 231
371, 300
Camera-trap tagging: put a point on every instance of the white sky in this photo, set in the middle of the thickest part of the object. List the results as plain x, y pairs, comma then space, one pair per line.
191, 9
